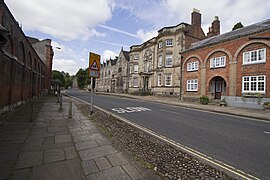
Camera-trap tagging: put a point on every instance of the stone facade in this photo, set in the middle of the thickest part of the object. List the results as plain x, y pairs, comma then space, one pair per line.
215, 67
22, 71
155, 64
114, 74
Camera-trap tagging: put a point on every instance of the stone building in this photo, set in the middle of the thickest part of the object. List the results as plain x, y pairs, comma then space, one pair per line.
155, 64
121, 73
114, 74
22, 71
45, 52
234, 66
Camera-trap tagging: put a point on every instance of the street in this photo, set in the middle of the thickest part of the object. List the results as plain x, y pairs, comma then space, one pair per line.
239, 142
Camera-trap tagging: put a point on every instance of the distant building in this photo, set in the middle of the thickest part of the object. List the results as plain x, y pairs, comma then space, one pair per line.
22, 71
114, 74
45, 52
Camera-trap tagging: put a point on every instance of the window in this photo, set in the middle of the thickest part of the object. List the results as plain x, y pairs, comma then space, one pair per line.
253, 84
253, 57
160, 45
136, 57
193, 66
130, 69
168, 79
159, 79
169, 42
192, 85
136, 68
135, 82
160, 61
218, 62
168, 62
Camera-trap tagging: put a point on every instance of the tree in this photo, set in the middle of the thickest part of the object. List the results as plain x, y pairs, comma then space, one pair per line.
237, 26
58, 77
82, 78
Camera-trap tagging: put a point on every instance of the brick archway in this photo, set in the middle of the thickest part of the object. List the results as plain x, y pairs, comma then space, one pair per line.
217, 87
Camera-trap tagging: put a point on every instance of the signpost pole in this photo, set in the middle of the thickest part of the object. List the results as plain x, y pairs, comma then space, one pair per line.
94, 69
92, 96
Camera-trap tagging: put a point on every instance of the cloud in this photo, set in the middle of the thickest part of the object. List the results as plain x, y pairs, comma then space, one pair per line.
112, 43
117, 30
65, 19
107, 54
69, 66
146, 35
160, 13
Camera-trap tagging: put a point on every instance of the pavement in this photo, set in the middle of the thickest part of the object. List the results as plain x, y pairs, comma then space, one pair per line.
39, 141
212, 107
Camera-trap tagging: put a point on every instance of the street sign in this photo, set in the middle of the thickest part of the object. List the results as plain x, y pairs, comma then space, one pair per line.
94, 65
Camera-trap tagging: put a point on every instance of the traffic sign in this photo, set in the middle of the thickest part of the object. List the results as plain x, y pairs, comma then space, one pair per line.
94, 65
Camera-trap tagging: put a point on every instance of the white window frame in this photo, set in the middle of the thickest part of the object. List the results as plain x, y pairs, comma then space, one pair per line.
136, 57
135, 82
159, 80
136, 68
254, 56
218, 62
160, 61
169, 42
168, 60
193, 66
249, 81
168, 79
130, 69
160, 44
192, 85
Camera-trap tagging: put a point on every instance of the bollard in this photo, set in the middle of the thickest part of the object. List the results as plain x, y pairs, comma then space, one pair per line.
70, 109
60, 102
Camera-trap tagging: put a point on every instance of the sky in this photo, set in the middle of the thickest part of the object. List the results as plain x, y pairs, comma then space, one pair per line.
78, 27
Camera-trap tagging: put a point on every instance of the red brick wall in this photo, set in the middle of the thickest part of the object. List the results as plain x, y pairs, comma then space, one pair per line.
231, 49
16, 70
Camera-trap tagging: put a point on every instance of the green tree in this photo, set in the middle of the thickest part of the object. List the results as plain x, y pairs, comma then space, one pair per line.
82, 78
58, 77
237, 26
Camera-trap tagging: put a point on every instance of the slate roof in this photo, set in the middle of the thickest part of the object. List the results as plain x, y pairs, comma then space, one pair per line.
126, 54
245, 31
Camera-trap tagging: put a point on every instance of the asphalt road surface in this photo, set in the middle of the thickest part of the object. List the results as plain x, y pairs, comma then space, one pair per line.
240, 142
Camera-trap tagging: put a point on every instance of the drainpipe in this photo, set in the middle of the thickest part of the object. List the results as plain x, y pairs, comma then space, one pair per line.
181, 78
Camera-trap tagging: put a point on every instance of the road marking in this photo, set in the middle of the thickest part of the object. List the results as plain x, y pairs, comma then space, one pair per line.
173, 112
199, 155
266, 132
130, 109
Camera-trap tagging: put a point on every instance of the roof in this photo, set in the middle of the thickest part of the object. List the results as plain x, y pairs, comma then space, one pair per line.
126, 54
242, 32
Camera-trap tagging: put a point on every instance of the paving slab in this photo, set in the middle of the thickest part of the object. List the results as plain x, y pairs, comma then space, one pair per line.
29, 159
117, 159
132, 171
67, 170
22, 174
94, 153
89, 167
63, 138
86, 145
103, 163
54, 155
71, 153
115, 173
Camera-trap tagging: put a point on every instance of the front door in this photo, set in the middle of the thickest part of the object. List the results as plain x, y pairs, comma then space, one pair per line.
218, 89
146, 80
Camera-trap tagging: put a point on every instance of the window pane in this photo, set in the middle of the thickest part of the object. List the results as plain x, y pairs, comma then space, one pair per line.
253, 55
261, 54
260, 86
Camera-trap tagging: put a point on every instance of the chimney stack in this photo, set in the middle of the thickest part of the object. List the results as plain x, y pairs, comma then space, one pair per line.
214, 30
196, 18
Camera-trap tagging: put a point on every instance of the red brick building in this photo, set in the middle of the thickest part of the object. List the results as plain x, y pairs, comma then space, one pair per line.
22, 71
234, 66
